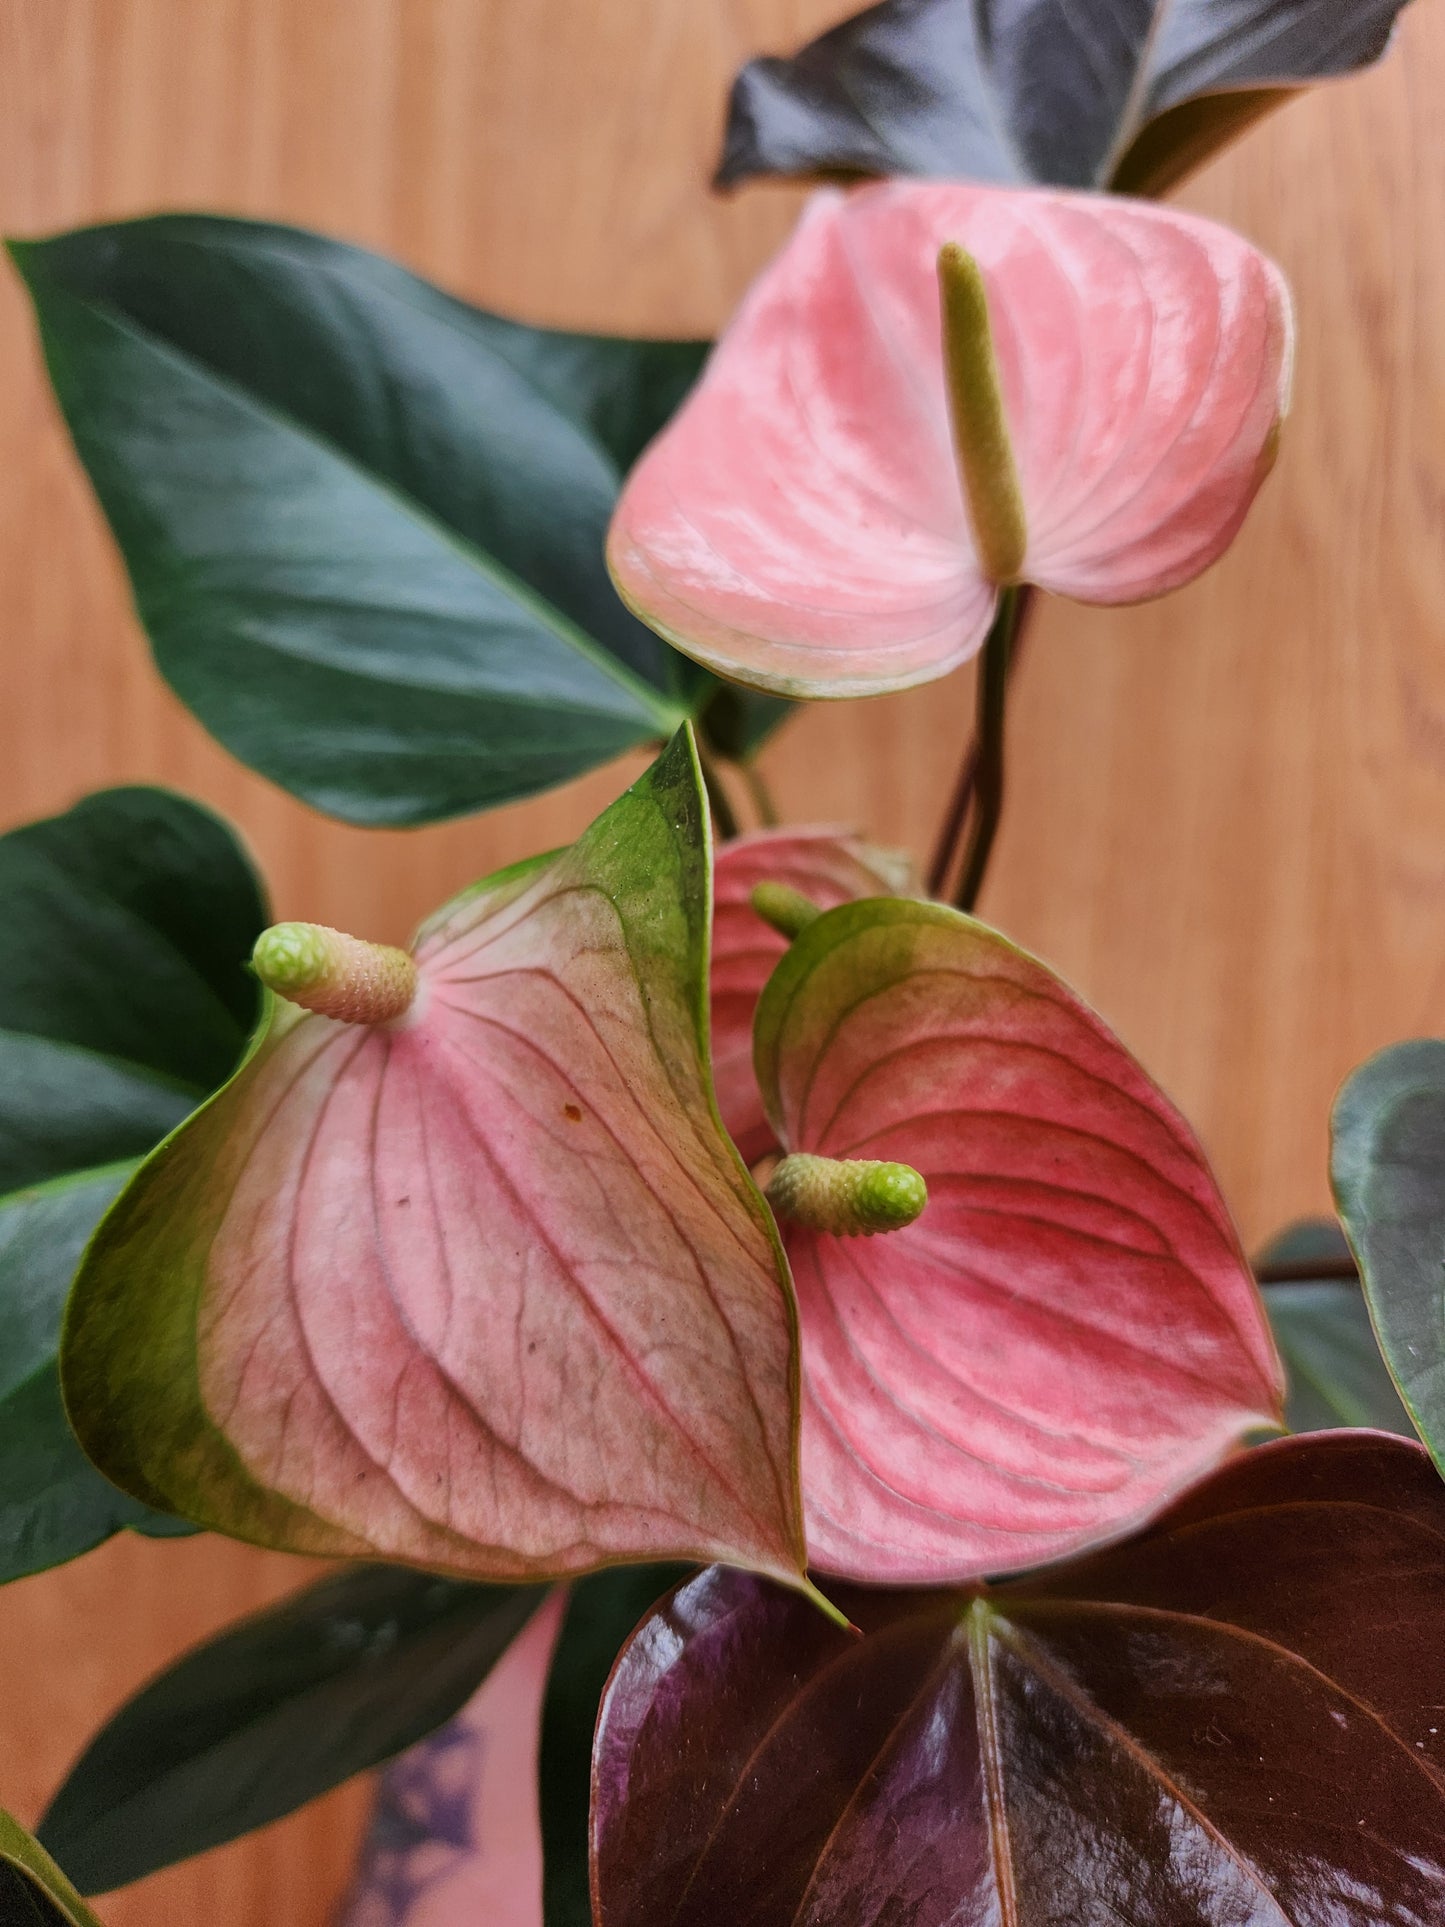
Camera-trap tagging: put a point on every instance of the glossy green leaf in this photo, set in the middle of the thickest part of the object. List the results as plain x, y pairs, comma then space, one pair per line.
274, 1712
1388, 1169
1231, 1720
123, 1001
1129, 94
53, 1504
1322, 1327
124, 996
364, 521
33, 1890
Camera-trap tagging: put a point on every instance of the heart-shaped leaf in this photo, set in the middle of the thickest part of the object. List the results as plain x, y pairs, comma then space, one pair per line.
364, 522
602, 1614
123, 1002
1086, 94
1388, 1169
454, 1834
1069, 1332
801, 524
1232, 1721
33, 1890
487, 1289
1322, 1327
828, 867
274, 1712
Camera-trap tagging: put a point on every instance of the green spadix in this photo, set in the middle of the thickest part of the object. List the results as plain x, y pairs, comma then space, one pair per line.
851, 1197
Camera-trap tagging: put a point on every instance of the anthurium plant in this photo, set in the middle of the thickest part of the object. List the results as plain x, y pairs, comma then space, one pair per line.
796, 1434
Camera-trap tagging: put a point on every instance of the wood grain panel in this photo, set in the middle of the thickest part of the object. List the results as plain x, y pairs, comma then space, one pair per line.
1227, 818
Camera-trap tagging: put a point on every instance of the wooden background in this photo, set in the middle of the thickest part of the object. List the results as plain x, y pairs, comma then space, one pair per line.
1227, 816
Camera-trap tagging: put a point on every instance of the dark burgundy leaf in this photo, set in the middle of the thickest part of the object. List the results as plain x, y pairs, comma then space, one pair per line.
1075, 93
1232, 1720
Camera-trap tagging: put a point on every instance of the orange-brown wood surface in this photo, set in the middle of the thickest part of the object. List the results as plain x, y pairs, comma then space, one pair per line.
1227, 811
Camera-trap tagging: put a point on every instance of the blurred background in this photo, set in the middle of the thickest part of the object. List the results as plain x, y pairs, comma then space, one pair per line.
1226, 817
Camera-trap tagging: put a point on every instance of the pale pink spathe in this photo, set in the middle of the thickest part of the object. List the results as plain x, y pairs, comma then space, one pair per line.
800, 525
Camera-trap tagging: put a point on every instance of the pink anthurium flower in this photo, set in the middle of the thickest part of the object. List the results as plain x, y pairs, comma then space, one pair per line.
461, 1269
937, 390
825, 867
1055, 1329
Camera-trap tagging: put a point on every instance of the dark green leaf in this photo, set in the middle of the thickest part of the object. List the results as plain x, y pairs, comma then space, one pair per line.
124, 998
1232, 1720
1388, 1168
53, 1505
1076, 93
124, 992
601, 1614
33, 1890
1322, 1327
276, 1711
364, 522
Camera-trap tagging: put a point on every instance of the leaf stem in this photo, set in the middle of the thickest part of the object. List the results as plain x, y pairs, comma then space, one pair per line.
762, 796
1308, 1271
723, 814
993, 670
945, 850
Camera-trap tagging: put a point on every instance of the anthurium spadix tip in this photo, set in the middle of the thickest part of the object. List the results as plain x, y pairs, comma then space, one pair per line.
1068, 1333
325, 971
849, 1197
483, 1288
937, 388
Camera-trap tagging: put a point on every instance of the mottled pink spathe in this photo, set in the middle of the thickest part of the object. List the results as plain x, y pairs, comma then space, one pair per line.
800, 525
489, 1292
1069, 1334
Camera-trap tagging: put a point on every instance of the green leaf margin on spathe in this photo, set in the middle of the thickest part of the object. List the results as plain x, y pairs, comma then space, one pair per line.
364, 521
124, 999
33, 1890
1322, 1328
275, 1711
1387, 1166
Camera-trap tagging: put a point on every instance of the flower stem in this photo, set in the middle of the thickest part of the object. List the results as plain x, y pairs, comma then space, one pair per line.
758, 790
945, 849
989, 778
723, 814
